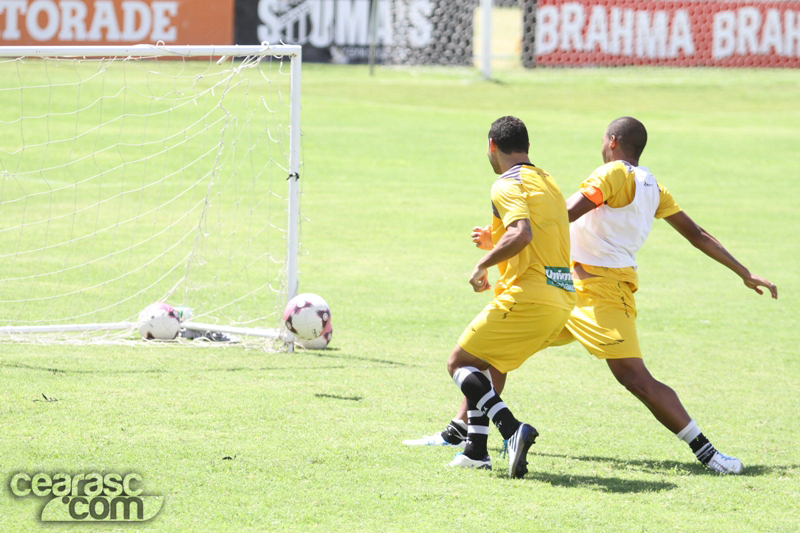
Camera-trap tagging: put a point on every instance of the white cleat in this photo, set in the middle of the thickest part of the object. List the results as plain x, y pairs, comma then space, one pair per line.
725, 465
463, 461
433, 440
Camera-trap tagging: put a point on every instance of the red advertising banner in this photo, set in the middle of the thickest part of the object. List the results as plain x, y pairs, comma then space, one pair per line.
678, 33
115, 22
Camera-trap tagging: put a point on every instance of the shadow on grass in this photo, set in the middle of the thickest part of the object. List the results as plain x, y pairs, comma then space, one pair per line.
325, 353
339, 397
603, 484
654, 466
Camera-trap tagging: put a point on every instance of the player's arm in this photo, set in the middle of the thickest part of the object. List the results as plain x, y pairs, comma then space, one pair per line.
706, 243
604, 185
578, 205
518, 235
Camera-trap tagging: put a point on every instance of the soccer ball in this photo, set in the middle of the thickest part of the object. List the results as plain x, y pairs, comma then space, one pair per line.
159, 321
320, 342
307, 316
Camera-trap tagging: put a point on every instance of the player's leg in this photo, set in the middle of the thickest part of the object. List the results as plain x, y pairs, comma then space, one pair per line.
665, 405
604, 321
470, 374
455, 433
662, 401
502, 336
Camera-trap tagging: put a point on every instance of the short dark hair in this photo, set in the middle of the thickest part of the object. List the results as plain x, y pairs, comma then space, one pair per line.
510, 135
630, 134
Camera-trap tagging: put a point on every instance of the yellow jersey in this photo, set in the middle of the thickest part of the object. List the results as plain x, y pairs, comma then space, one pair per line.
540, 272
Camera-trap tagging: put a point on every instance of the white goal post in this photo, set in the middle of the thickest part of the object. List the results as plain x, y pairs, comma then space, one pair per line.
136, 174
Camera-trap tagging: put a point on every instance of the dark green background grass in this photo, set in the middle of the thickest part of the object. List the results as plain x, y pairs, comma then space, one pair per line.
395, 176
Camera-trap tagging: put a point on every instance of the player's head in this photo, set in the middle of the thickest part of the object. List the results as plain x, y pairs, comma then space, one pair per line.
510, 135
626, 136
507, 135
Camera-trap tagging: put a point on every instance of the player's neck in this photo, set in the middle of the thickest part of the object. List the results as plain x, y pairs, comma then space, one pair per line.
510, 160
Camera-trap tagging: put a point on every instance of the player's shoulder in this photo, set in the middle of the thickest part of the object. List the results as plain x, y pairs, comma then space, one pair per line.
615, 168
513, 174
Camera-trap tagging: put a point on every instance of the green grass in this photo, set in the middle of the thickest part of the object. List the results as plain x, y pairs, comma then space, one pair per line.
394, 178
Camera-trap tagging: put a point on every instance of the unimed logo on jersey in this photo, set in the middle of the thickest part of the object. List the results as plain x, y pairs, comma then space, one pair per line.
560, 277
92, 497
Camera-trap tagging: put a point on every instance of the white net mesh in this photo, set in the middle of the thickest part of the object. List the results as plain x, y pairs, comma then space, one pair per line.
128, 181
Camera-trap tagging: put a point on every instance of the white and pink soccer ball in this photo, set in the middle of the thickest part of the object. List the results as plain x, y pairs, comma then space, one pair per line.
320, 342
159, 321
308, 317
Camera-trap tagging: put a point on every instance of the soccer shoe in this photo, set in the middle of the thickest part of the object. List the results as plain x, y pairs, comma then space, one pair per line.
463, 461
433, 440
725, 465
518, 446
212, 336
218, 336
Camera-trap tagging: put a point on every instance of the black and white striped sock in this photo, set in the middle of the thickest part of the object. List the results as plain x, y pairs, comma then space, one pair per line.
478, 434
481, 395
702, 449
699, 444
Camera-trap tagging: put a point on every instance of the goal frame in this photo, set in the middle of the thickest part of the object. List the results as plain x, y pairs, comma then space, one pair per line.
147, 51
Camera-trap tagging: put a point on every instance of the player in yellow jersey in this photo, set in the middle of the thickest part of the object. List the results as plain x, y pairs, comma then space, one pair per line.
612, 215
533, 297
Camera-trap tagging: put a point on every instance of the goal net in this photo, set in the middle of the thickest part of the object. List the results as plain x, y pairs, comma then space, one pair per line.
135, 175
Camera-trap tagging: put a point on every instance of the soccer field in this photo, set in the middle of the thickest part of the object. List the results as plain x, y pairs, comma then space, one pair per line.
395, 176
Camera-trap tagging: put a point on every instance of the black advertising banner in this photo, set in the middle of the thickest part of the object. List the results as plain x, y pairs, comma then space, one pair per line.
414, 32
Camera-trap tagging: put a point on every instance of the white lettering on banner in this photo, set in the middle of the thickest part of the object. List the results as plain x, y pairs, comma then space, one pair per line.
68, 20
627, 32
323, 23
12, 10
621, 32
791, 45
597, 30
352, 22
105, 18
163, 28
745, 32
130, 12
546, 37
73, 14
36, 8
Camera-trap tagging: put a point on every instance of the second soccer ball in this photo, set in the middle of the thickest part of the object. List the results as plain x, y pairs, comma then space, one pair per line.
307, 316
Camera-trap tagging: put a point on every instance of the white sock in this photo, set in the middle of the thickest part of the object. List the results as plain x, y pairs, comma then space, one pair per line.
689, 433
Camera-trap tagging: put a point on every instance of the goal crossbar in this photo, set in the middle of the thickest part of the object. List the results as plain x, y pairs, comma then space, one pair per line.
148, 50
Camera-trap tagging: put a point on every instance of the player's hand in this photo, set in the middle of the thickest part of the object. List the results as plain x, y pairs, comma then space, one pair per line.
480, 280
482, 237
755, 282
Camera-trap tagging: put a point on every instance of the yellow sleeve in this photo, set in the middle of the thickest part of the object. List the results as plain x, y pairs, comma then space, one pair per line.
508, 200
667, 206
610, 184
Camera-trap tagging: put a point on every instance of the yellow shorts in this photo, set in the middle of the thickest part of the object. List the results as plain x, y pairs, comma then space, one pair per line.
507, 332
604, 319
